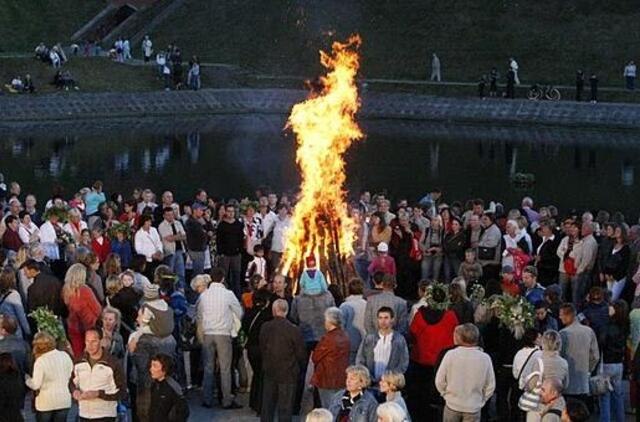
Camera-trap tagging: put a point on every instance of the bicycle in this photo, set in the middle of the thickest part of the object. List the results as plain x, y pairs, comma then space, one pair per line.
544, 92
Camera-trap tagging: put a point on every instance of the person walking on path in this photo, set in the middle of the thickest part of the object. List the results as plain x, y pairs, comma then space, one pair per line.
630, 75
493, 82
435, 68
147, 48
579, 85
513, 65
593, 82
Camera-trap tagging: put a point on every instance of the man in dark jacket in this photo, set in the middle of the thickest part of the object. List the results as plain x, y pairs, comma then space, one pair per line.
283, 353
45, 290
196, 238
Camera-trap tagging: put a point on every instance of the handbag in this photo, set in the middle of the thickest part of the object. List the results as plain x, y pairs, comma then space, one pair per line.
569, 265
486, 254
530, 400
600, 383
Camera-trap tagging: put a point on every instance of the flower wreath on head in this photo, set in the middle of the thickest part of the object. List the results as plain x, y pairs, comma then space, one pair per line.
477, 292
116, 228
61, 213
437, 289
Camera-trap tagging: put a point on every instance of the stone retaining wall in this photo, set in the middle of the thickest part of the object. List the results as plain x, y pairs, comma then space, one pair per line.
80, 106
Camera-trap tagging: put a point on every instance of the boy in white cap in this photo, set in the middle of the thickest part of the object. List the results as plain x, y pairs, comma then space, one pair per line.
383, 262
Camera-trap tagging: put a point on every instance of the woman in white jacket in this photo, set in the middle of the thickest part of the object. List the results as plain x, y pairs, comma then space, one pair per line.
51, 373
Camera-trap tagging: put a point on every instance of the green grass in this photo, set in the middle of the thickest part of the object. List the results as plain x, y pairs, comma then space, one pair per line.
550, 38
25, 23
92, 74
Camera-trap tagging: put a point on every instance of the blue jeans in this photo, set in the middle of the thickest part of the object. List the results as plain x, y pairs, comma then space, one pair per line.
612, 403
617, 288
59, 415
220, 346
362, 269
197, 260
176, 263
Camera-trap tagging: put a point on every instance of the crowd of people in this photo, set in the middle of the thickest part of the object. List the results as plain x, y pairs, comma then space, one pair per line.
459, 312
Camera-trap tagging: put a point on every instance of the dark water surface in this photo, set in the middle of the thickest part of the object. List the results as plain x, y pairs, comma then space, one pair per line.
231, 155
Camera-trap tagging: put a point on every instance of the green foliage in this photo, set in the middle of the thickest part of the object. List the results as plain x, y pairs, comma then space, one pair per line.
49, 323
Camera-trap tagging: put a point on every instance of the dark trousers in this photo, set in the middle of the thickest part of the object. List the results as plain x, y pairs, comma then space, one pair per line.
277, 398
422, 399
507, 395
52, 416
232, 264
96, 420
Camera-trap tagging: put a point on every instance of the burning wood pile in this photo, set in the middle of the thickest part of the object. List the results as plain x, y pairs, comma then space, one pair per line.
325, 127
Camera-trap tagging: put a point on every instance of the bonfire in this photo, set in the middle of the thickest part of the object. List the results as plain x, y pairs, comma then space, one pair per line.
325, 128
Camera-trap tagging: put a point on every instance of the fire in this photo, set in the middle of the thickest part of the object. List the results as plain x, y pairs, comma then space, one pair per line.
325, 127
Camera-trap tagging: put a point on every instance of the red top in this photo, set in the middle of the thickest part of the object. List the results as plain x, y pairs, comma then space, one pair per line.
429, 340
11, 240
84, 309
384, 263
101, 251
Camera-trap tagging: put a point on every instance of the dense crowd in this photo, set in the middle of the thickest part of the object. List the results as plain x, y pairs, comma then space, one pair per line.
460, 312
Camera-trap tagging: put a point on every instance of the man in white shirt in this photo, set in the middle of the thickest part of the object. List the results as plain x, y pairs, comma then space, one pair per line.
385, 349
465, 378
219, 314
280, 228
173, 242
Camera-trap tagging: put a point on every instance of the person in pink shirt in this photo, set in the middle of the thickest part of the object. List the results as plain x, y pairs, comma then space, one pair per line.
383, 262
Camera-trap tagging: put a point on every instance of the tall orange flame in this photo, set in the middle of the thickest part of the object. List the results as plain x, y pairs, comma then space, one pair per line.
325, 127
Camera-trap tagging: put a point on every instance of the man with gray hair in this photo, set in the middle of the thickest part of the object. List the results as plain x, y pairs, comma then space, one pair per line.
586, 252
527, 207
554, 404
283, 354
465, 378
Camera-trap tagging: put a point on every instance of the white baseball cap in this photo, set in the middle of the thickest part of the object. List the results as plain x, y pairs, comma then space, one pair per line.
383, 247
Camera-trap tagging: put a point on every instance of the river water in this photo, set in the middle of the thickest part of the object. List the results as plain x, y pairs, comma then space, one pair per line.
231, 155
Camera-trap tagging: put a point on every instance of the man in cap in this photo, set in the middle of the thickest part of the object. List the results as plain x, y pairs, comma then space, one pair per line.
197, 238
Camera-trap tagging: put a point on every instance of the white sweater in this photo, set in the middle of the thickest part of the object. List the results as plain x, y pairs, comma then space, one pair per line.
51, 374
465, 379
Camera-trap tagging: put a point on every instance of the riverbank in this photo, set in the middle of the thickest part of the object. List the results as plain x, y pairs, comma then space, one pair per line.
18, 110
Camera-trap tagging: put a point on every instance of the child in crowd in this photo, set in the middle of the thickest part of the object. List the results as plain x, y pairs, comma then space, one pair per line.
155, 317
258, 266
256, 283
470, 269
312, 281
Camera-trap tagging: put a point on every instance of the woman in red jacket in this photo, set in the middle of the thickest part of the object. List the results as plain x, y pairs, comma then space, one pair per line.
431, 334
330, 357
84, 308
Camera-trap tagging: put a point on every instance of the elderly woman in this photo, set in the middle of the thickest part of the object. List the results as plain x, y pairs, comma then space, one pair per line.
355, 403
330, 357
390, 385
553, 364
391, 412
111, 338
319, 415
84, 308
52, 370
76, 225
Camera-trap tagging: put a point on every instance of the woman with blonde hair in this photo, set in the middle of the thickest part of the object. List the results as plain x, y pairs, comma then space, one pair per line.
112, 265
355, 402
84, 308
390, 384
51, 373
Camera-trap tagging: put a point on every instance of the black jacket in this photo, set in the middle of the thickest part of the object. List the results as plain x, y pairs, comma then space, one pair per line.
612, 343
196, 235
167, 402
12, 393
548, 261
46, 290
283, 351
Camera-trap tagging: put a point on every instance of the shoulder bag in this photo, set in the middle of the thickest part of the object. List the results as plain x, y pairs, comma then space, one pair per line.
600, 383
530, 400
